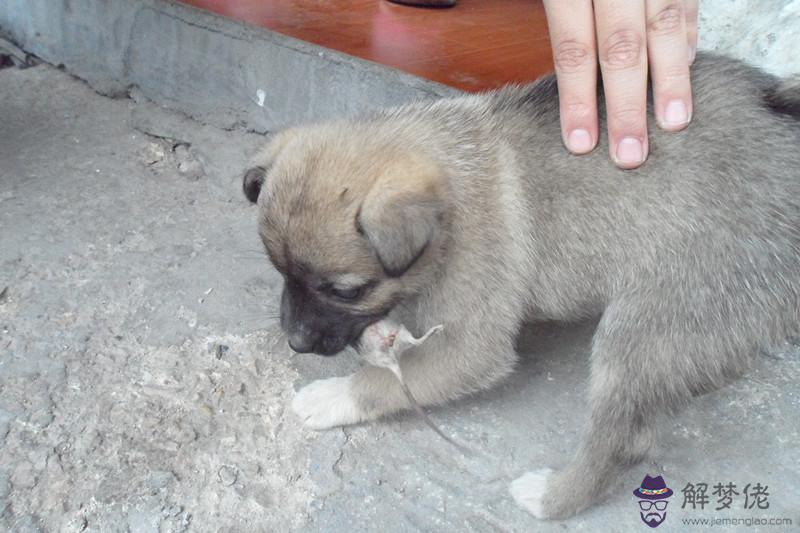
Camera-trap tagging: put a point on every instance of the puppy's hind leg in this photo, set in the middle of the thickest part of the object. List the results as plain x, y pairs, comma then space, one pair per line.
641, 367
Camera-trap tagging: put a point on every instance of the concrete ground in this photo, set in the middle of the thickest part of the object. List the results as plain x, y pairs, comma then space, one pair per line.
144, 383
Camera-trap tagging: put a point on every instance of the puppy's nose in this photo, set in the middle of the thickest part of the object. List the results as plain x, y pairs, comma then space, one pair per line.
301, 342
330, 345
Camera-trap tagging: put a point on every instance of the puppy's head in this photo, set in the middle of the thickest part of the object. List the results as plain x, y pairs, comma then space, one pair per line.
352, 222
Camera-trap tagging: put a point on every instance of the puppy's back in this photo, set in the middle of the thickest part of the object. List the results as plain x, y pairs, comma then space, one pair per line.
711, 221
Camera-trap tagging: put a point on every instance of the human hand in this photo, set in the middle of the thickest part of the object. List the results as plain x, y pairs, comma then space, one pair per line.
625, 37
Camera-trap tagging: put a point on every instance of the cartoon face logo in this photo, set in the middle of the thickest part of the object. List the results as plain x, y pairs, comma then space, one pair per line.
653, 502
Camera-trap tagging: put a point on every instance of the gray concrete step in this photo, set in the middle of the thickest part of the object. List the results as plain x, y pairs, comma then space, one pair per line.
213, 69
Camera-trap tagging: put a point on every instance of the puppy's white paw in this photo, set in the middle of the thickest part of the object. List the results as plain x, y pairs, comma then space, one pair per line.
529, 490
326, 403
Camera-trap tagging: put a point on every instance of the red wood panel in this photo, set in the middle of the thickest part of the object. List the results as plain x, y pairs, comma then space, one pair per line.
476, 45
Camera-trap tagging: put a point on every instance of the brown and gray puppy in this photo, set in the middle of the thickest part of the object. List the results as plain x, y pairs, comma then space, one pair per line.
468, 212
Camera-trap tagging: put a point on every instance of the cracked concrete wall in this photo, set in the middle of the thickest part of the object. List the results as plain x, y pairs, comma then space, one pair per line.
211, 68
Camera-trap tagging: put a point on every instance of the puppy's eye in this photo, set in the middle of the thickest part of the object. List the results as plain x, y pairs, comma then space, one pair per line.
350, 294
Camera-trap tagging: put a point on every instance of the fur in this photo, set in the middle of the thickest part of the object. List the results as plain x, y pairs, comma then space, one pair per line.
469, 212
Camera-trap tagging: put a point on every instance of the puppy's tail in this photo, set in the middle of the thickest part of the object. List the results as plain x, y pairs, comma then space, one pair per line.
785, 97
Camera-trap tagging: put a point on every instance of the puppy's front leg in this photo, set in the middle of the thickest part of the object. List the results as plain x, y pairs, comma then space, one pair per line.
450, 365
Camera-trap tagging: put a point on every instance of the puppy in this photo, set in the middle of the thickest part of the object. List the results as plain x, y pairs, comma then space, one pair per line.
468, 212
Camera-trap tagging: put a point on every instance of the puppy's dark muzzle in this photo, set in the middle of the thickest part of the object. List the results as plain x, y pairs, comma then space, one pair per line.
303, 340
312, 326
301, 343
319, 345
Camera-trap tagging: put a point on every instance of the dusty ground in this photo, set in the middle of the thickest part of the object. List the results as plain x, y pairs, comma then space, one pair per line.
144, 385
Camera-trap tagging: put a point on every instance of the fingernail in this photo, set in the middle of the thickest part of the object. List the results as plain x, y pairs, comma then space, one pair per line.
579, 141
630, 151
676, 114
692, 54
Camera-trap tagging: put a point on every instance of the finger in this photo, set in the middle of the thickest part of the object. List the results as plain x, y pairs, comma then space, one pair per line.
623, 62
668, 50
691, 10
571, 26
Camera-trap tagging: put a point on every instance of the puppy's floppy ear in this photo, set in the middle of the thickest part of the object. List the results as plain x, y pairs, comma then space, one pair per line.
252, 182
402, 212
254, 176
